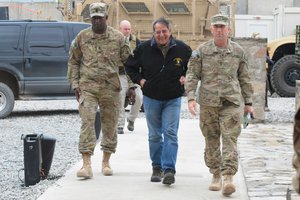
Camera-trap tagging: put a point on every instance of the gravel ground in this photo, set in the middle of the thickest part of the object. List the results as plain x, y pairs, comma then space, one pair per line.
60, 119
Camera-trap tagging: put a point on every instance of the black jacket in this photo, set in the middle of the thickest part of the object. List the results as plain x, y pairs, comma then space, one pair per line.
162, 75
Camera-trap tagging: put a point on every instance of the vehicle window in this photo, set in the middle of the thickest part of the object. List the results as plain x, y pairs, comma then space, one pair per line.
11, 35
46, 40
77, 29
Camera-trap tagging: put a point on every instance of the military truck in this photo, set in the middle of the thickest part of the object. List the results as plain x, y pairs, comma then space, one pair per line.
189, 18
282, 69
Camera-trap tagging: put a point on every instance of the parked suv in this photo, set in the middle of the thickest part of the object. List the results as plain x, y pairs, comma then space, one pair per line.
33, 61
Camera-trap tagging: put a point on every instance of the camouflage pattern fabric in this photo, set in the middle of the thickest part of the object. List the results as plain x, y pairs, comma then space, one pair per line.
94, 61
95, 58
132, 45
225, 122
108, 100
224, 80
223, 73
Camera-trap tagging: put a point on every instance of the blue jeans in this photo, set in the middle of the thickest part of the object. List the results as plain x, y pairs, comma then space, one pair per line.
163, 121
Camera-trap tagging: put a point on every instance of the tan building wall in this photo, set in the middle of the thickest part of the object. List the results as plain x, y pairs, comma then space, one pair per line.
34, 11
191, 25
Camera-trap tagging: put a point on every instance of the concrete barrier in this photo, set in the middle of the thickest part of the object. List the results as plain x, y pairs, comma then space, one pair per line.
256, 49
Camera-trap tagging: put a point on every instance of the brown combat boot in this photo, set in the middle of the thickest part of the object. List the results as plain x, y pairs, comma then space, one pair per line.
86, 169
216, 183
228, 186
106, 169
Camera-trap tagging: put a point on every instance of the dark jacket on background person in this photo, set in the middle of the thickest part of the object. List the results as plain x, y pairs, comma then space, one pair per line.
162, 74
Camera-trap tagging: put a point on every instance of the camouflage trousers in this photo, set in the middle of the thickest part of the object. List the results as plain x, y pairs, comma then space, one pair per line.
109, 102
221, 127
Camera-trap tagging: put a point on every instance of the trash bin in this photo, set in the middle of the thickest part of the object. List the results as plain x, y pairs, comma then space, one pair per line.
38, 156
48, 146
32, 158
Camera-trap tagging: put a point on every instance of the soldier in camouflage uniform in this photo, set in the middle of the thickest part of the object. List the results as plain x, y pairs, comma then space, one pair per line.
95, 56
128, 86
221, 66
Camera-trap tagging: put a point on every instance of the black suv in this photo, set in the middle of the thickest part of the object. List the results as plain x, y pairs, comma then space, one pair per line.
33, 60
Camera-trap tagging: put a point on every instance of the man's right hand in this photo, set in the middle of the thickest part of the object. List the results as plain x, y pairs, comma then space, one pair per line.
77, 93
192, 104
142, 82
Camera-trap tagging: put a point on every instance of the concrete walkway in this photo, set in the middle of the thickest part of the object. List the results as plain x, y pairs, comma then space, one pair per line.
132, 171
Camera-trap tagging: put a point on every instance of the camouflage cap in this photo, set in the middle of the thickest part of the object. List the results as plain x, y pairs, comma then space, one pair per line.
219, 19
98, 9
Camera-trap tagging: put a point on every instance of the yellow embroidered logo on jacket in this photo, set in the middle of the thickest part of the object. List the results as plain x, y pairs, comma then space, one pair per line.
178, 62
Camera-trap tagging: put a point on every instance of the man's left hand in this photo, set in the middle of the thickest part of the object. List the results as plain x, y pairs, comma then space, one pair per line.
249, 109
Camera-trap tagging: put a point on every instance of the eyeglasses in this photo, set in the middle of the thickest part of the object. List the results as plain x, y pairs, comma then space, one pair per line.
164, 31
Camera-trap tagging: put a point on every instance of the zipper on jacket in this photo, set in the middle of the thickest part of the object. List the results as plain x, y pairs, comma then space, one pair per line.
165, 57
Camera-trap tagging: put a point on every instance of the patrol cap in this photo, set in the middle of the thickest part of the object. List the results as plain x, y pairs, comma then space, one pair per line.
98, 9
219, 19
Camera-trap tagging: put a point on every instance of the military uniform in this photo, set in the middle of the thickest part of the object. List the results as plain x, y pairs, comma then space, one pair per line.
224, 82
93, 67
126, 83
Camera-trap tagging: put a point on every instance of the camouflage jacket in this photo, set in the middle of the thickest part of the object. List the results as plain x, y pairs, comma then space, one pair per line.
223, 73
95, 58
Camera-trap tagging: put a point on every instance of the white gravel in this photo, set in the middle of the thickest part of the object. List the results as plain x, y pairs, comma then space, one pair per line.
60, 119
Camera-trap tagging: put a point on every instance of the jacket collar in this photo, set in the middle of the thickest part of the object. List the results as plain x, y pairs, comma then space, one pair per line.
228, 49
102, 35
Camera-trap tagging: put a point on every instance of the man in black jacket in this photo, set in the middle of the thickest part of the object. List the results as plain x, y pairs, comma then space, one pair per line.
159, 66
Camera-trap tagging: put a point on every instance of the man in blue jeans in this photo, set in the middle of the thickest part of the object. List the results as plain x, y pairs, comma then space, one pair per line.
159, 66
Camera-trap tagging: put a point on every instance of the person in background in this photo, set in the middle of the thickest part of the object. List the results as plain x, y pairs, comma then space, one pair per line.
125, 28
221, 66
159, 66
93, 70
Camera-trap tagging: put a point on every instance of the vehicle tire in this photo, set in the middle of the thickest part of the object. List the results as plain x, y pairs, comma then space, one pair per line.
7, 100
284, 74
